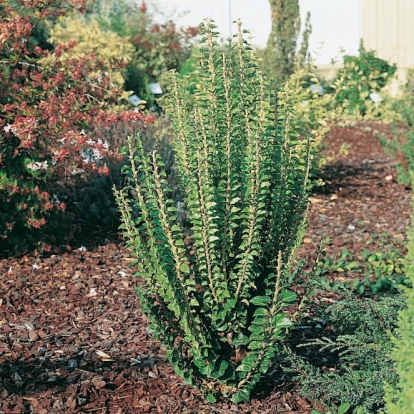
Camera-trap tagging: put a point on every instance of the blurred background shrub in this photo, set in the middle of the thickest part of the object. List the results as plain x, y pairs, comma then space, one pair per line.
365, 76
157, 47
110, 49
400, 144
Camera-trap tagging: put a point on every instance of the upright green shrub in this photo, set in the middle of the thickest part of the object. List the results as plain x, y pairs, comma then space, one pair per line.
216, 292
400, 145
400, 398
281, 45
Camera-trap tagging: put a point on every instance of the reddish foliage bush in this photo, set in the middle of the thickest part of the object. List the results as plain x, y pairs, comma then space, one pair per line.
46, 109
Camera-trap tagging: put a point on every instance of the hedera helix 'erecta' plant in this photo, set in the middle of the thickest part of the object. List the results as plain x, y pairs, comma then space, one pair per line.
216, 292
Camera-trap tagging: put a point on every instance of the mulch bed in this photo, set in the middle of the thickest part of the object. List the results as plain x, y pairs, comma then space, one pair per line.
73, 339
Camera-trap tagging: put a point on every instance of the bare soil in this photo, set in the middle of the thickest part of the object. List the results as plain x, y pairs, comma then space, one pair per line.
73, 338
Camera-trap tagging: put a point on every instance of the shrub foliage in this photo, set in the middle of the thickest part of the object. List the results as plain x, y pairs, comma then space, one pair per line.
399, 397
281, 54
359, 346
363, 75
108, 48
216, 291
157, 48
400, 145
46, 107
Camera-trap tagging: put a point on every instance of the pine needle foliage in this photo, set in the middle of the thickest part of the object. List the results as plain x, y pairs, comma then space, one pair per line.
216, 292
360, 350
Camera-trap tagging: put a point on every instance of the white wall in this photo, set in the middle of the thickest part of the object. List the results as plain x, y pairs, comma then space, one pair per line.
335, 22
388, 27
335, 27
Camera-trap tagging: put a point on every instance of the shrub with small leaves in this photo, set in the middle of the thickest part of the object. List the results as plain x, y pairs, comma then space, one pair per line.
110, 49
400, 145
399, 397
281, 52
45, 112
216, 291
317, 112
364, 74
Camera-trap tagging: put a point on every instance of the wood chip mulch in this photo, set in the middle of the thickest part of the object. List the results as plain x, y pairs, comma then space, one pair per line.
73, 339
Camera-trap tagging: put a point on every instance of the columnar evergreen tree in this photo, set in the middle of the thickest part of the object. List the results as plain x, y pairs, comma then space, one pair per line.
280, 52
303, 53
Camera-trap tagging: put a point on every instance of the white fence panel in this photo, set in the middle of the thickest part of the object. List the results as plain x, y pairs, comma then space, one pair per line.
387, 26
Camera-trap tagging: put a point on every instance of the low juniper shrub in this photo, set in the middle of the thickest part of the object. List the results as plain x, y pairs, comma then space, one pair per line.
350, 359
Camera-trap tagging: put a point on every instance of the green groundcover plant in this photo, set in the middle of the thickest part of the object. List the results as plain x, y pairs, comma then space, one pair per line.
354, 359
216, 284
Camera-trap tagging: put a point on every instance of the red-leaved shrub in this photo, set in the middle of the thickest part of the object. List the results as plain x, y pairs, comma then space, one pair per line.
46, 109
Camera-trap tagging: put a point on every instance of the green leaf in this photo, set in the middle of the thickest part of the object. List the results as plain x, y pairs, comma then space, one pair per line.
257, 336
343, 408
260, 300
212, 239
210, 205
241, 396
194, 302
287, 297
211, 398
353, 265
256, 329
235, 200
221, 327
248, 362
264, 366
241, 340
261, 312
243, 368
255, 345
185, 268
229, 304
222, 368
206, 370
260, 320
